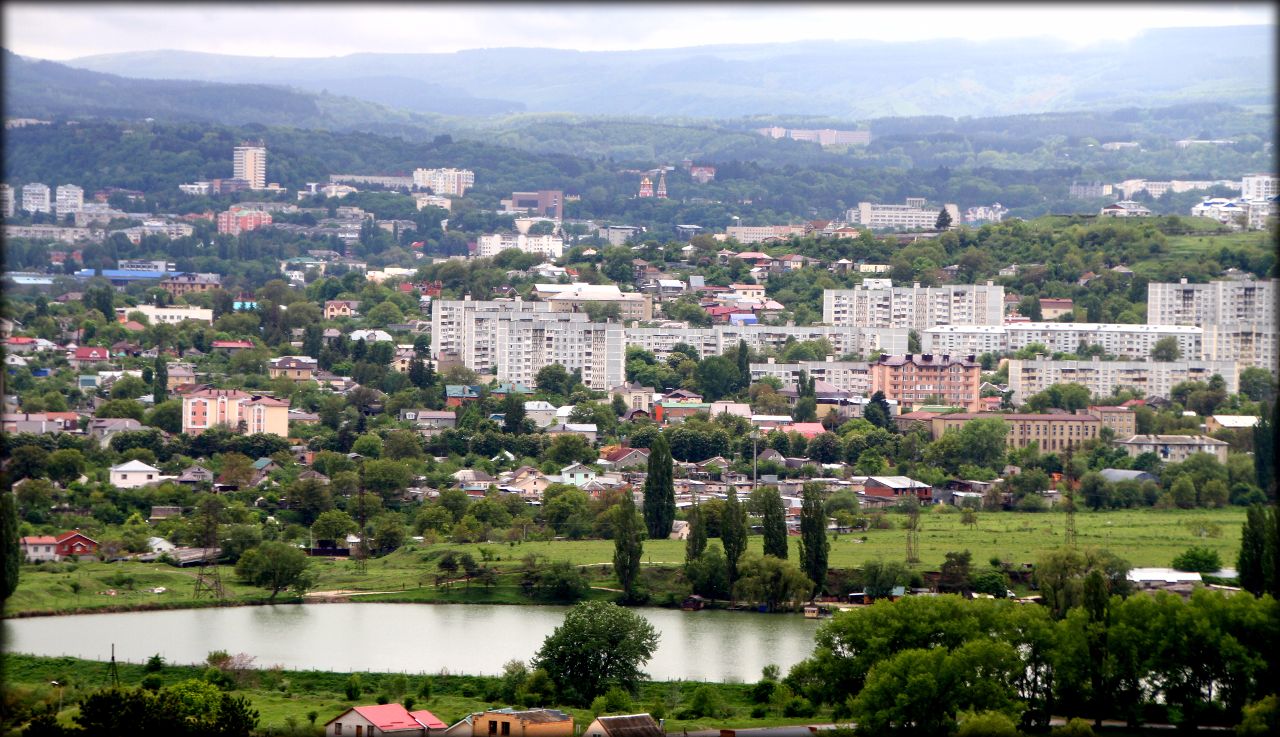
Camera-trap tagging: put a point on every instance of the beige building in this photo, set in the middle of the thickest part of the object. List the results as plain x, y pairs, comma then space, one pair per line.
1122, 421
206, 408
915, 379
1174, 448
528, 723
1051, 432
294, 368
336, 308
914, 307
916, 214
249, 162
1102, 378
636, 396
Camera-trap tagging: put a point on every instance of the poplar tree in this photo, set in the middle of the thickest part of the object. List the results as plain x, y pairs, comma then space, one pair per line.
160, 381
10, 553
733, 534
814, 545
744, 364
696, 543
627, 547
1251, 565
775, 523
659, 491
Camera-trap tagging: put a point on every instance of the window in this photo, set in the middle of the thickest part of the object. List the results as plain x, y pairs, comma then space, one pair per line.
337, 728
506, 729
493, 727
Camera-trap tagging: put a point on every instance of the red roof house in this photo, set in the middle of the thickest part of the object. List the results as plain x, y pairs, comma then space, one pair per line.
89, 354
807, 429
231, 346
385, 719
76, 543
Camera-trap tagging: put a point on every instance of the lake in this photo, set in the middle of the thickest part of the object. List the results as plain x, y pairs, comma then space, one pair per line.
474, 639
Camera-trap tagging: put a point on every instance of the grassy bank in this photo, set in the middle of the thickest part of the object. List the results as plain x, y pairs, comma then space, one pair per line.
287, 697
1146, 537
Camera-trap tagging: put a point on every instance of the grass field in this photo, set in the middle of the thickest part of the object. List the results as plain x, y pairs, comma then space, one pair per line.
1146, 537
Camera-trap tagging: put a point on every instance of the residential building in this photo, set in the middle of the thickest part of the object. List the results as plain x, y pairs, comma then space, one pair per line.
238, 220
491, 245
1238, 318
964, 339
134, 474
294, 368
40, 548
35, 198
377, 180
1121, 420
544, 203
1174, 448
383, 719
853, 377
422, 201
1258, 187
8, 203
914, 307
525, 723
69, 199
1051, 308
1088, 190
702, 174
180, 284
339, 308
914, 215
249, 162
1104, 378
429, 419
1053, 433
757, 233
577, 297
624, 725
822, 137
620, 235
915, 379
1136, 341
1215, 423
87, 355
58, 233
1124, 209
715, 340
452, 182
635, 395
206, 408
168, 315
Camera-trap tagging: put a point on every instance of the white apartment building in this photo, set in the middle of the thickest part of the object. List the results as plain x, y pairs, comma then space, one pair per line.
8, 205
964, 340
69, 199
1238, 317
1134, 341
550, 246
849, 376
914, 215
1131, 187
1258, 187
756, 233
1101, 378
249, 162
444, 181
432, 200
714, 341
914, 307
169, 315
35, 198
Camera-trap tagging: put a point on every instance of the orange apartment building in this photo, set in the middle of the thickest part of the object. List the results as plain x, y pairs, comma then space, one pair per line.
1052, 432
206, 408
915, 379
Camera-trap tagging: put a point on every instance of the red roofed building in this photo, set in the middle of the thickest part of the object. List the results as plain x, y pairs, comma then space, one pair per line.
87, 355
48, 547
808, 429
370, 721
206, 408
232, 346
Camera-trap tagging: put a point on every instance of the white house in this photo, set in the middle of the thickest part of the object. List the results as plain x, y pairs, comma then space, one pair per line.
133, 474
577, 474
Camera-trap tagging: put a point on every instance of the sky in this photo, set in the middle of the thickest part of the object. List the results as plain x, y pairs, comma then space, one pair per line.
61, 31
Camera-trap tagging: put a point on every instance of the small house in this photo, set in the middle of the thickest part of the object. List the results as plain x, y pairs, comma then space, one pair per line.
625, 725
382, 719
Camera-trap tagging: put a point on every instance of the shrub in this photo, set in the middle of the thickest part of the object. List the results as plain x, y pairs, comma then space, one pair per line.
798, 706
155, 664
986, 724
1076, 727
1198, 559
152, 682
352, 689
707, 702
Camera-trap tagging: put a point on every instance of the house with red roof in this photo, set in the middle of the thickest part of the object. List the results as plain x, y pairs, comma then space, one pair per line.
232, 346
38, 548
374, 721
87, 355
807, 429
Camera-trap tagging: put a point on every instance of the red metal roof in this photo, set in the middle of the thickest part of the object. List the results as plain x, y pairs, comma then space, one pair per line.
388, 717
428, 720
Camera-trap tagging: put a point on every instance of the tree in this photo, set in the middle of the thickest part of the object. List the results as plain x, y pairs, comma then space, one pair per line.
1166, 349
775, 522
954, 576
569, 448
814, 545
1257, 384
771, 581
513, 414
696, 543
334, 525
876, 411
733, 534
627, 548
66, 465
659, 491
880, 578
944, 220
553, 379
744, 364
10, 552
1264, 464
599, 646
1060, 575
276, 566
717, 376
1198, 559
1251, 564
160, 381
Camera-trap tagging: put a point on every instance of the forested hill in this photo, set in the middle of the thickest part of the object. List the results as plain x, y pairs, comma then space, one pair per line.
42, 89
848, 79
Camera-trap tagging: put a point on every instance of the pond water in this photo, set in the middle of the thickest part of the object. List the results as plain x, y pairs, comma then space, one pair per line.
473, 639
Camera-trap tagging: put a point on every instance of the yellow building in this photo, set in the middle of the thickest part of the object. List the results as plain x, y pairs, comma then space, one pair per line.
529, 723
230, 408
294, 368
1122, 421
1052, 432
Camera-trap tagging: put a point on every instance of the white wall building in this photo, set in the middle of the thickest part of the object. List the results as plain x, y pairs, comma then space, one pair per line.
1238, 317
1258, 187
169, 315
1135, 341
547, 245
1101, 378
8, 203
249, 162
452, 182
914, 215
914, 307
69, 199
714, 341
133, 474
35, 198
757, 233
850, 376
963, 340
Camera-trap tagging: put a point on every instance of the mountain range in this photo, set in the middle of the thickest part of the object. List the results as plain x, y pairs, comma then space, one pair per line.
848, 79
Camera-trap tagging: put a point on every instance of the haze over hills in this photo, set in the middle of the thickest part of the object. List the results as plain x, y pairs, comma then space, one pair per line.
843, 79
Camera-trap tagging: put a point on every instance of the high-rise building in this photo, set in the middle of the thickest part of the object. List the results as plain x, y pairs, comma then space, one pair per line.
915, 214
1258, 187
7, 204
250, 164
454, 182
914, 307
1238, 316
35, 198
1149, 378
70, 199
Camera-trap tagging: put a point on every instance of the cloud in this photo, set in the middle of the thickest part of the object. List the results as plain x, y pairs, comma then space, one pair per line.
72, 30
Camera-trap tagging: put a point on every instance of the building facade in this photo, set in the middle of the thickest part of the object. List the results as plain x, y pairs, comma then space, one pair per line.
249, 162
491, 245
1133, 341
180, 284
35, 198
69, 199
229, 408
1051, 432
914, 307
451, 182
1103, 378
916, 214
1174, 448
849, 376
168, 315
915, 379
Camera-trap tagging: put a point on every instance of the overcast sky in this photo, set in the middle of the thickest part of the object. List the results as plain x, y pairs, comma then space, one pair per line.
65, 31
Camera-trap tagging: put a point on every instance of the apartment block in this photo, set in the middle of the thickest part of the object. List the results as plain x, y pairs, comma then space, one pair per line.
914, 307
1238, 317
168, 315
578, 297
69, 199
550, 246
377, 180
180, 284
249, 162
236, 220
235, 410
1258, 187
543, 203
916, 214
453, 182
849, 376
1174, 448
35, 198
1051, 432
8, 203
1133, 341
960, 340
714, 341
757, 233
1103, 378
915, 379
526, 343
